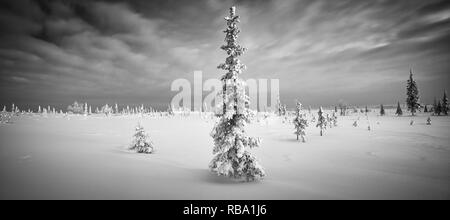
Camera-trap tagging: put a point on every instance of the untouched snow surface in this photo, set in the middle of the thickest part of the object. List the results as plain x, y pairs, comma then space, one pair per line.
79, 157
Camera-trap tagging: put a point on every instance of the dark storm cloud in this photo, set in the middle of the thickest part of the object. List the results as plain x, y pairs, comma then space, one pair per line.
130, 51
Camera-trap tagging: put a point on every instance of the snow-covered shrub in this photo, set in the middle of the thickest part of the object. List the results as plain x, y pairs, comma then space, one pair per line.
75, 108
106, 109
141, 142
5, 117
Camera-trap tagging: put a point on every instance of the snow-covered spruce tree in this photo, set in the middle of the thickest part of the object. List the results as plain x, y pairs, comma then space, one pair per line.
399, 111
321, 121
300, 123
329, 121
382, 112
412, 93
141, 142
444, 107
334, 119
231, 143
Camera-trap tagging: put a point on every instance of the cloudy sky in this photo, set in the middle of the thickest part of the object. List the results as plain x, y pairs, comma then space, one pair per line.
323, 52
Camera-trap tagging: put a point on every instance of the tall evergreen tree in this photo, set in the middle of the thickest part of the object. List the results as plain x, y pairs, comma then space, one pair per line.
445, 104
300, 123
231, 143
412, 93
425, 109
382, 112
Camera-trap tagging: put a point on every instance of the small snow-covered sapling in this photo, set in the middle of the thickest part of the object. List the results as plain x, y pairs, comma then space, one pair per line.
428, 121
141, 142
